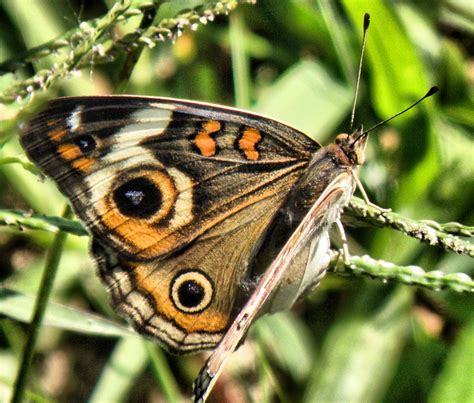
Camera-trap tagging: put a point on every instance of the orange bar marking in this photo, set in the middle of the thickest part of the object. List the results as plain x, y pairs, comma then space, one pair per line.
57, 134
69, 151
212, 126
203, 140
83, 164
250, 138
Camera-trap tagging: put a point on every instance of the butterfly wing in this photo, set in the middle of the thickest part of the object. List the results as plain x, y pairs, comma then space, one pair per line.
176, 195
188, 299
314, 226
151, 175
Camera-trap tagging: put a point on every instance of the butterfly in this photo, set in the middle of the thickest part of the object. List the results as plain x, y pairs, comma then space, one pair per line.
201, 217
186, 202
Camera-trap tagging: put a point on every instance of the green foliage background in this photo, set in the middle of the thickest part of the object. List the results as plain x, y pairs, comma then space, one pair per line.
352, 340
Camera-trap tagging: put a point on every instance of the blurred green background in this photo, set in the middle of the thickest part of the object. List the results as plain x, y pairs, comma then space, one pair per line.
353, 339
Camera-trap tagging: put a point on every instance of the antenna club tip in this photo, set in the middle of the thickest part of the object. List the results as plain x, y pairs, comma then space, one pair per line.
433, 90
366, 21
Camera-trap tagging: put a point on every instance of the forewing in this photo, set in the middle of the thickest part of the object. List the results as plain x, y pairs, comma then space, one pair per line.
149, 175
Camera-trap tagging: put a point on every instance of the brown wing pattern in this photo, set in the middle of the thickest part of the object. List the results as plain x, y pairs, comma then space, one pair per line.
177, 196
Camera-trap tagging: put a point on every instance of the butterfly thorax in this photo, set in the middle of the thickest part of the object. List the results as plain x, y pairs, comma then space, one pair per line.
328, 163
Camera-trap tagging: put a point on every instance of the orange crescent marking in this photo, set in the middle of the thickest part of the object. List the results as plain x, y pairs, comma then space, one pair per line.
83, 164
250, 138
203, 140
142, 236
208, 321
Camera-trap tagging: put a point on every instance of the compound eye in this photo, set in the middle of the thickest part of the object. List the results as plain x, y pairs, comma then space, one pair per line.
341, 138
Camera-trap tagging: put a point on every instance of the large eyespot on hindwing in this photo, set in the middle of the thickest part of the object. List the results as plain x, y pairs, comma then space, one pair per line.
145, 206
191, 291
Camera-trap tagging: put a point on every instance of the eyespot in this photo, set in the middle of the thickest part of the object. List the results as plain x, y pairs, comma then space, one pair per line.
191, 291
139, 198
143, 206
86, 143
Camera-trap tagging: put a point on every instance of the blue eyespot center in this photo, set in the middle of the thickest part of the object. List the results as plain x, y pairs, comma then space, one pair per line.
86, 143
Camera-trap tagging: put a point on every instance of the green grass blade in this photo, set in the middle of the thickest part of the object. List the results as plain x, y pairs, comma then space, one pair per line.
19, 307
456, 380
361, 352
47, 281
120, 374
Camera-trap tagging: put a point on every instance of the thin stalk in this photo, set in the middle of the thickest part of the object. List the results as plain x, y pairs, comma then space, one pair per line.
339, 39
162, 373
134, 54
240, 64
47, 281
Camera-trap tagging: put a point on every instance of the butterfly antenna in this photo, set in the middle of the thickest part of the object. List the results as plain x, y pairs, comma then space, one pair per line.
356, 94
432, 91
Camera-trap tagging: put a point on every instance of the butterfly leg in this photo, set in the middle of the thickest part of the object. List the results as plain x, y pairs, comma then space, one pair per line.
345, 248
366, 198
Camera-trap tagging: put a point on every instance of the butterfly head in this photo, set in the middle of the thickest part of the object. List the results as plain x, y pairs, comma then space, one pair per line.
353, 146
